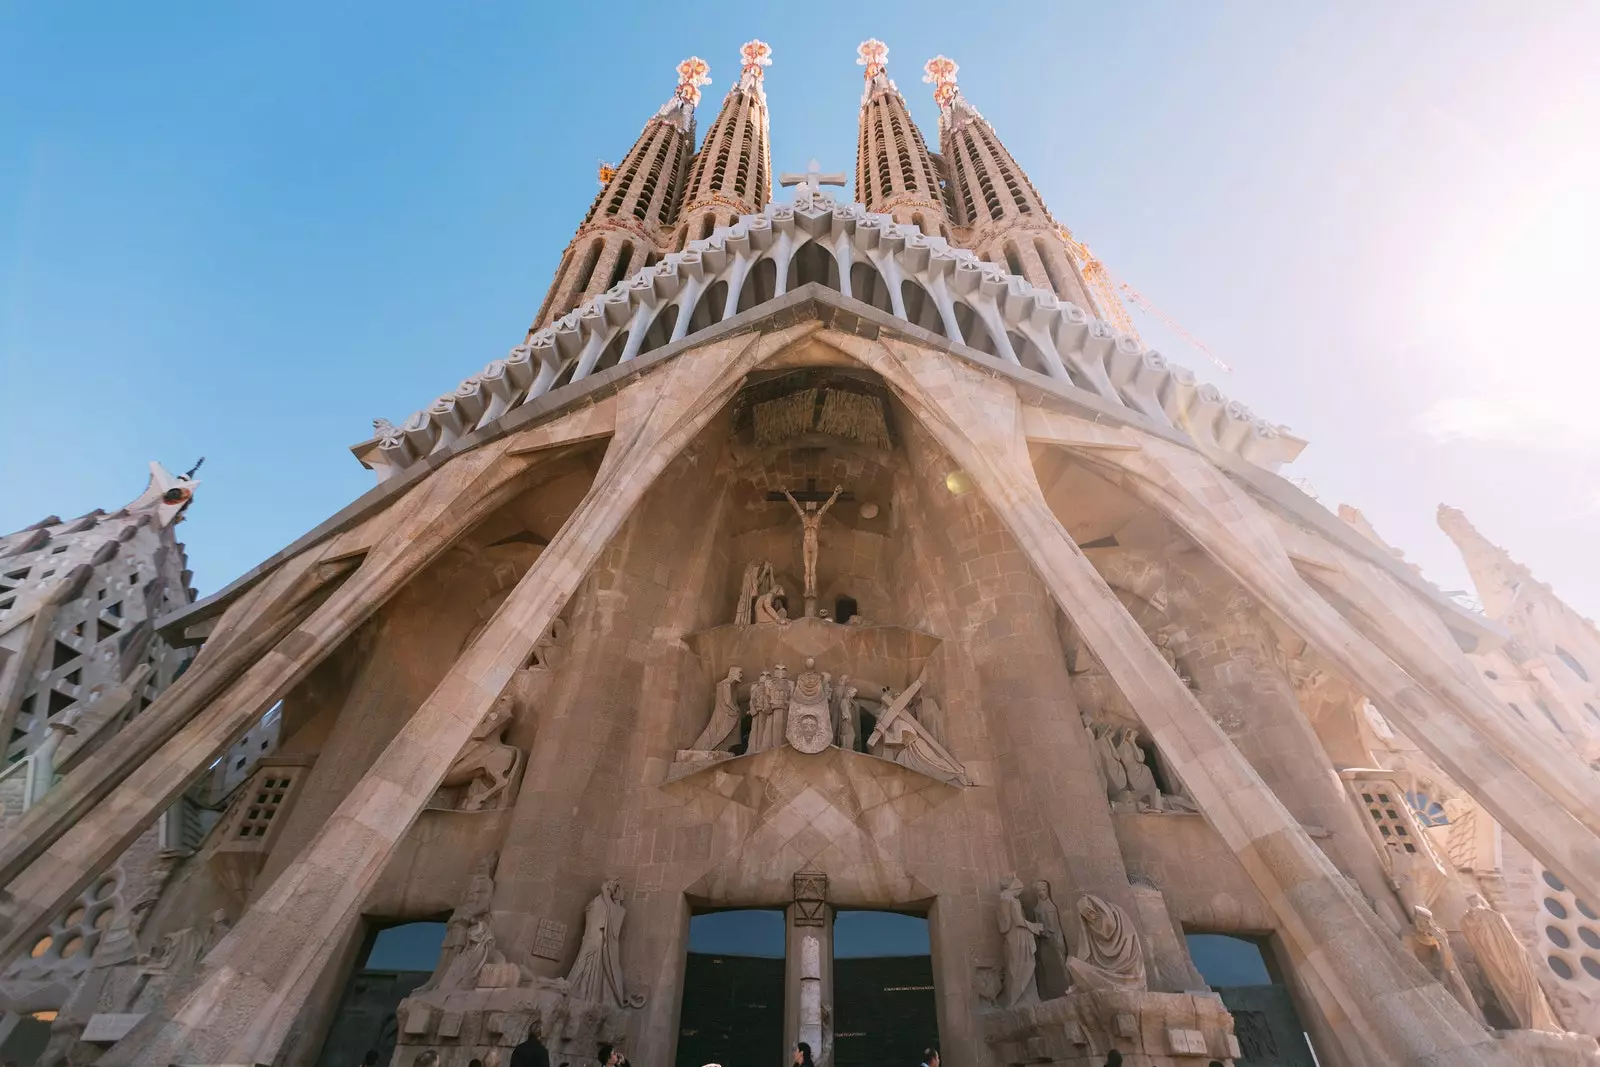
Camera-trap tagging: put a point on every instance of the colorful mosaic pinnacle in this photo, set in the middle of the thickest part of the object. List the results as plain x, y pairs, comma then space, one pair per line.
756, 54
874, 55
692, 74
940, 71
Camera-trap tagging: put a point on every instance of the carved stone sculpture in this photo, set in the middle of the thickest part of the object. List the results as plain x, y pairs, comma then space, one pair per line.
1433, 949
486, 765
1142, 788
849, 719
1021, 945
181, 951
1051, 969
1108, 955
756, 581
810, 530
1504, 962
760, 714
1103, 738
900, 738
722, 732
930, 716
768, 610
809, 725
596, 975
474, 907
989, 983
779, 691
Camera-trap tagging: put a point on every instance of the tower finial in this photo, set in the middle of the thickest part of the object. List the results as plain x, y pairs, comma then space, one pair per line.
756, 54
940, 71
692, 73
874, 55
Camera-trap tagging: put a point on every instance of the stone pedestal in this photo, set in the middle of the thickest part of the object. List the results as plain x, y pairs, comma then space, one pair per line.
1079, 1029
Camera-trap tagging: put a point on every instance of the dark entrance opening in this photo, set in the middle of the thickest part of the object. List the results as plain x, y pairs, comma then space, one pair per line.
844, 608
733, 990
394, 961
884, 1007
1264, 1019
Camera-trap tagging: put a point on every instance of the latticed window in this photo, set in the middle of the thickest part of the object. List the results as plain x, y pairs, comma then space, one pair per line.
263, 805
1386, 807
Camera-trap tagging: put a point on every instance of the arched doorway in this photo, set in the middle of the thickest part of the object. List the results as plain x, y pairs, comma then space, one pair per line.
884, 1007
733, 1002
395, 960
1264, 1020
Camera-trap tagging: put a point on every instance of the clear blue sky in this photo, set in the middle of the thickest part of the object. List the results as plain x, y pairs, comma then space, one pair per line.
243, 231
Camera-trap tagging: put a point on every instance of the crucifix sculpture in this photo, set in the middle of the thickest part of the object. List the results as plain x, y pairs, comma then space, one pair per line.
813, 179
805, 504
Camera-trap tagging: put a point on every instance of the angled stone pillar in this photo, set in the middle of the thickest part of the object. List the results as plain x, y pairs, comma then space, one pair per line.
243, 1005
431, 518
1390, 1003
1230, 527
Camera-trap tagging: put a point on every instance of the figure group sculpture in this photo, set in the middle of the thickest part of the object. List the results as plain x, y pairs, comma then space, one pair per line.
1038, 963
1130, 783
811, 711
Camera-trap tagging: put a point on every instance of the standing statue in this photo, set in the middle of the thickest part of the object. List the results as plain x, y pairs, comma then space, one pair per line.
1108, 955
722, 732
1103, 738
474, 906
1142, 788
849, 720
810, 528
596, 975
486, 765
809, 725
757, 579
1021, 946
780, 690
1433, 949
900, 738
1504, 962
1052, 958
930, 716
760, 714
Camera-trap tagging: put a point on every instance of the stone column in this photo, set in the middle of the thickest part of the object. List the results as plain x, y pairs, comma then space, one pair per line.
808, 969
1392, 1006
1428, 705
252, 986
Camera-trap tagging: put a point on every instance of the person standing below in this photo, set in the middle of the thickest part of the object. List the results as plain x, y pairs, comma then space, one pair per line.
930, 1057
802, 1055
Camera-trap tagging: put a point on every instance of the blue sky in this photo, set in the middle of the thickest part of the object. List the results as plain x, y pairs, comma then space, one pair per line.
244, 231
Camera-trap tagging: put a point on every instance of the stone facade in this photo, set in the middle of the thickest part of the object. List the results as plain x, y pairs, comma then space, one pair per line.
1049, 658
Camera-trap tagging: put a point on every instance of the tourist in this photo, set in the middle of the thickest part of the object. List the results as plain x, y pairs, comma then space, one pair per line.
370, 1059
802, 1055
429, 1058
930, 1057
1113, 1059
530, 1054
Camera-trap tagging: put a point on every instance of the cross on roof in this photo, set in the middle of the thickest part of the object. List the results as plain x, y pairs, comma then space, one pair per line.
812, 179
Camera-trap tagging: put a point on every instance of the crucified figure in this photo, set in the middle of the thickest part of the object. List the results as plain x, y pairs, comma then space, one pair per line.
811, 525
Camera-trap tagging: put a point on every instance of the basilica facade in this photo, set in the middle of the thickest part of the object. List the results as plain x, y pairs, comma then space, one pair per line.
825, 626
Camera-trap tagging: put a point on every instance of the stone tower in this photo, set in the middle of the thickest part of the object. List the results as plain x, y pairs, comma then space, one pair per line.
828, 580
895, 172
998, 212
732, 174
630, 222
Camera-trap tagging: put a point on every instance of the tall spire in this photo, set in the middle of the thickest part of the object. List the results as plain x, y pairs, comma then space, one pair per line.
894, 169
1501, 582
997, 211
732, 174
627, 226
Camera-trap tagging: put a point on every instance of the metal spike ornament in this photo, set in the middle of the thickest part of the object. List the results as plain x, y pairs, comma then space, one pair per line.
874, 55
940, 71
756, 54
692, 74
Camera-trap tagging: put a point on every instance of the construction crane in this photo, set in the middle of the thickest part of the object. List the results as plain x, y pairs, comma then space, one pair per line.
1108, 292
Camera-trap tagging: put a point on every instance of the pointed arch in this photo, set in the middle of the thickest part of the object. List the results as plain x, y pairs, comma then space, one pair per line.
708, 312
624, 259
659, 331
1013, 259
580, 284
612, 353
868, 286
1028, 353
813, 263
973, 331
760, 285
1041, 250
920, 307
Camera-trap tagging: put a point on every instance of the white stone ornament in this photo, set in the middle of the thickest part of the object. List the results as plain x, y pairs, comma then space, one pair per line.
810, 726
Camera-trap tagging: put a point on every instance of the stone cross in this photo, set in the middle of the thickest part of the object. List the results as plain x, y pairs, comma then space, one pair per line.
812, 179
